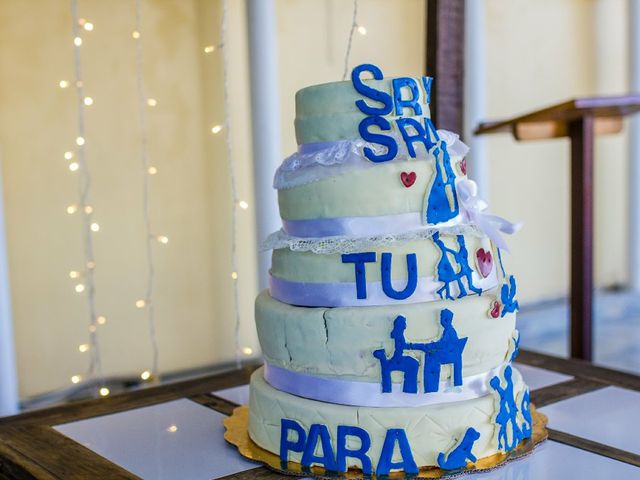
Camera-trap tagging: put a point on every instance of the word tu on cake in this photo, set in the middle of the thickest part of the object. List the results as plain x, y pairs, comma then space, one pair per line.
412, 130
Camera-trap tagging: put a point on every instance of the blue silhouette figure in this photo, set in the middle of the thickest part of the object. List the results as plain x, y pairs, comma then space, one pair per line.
525, 409
457, 458
516, 346
447, 274
507, 413
398, 362
508, 297
445, 351
439, 208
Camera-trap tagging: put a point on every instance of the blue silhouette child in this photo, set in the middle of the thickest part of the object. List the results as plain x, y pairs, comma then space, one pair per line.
458, 456
508, 297
398, 362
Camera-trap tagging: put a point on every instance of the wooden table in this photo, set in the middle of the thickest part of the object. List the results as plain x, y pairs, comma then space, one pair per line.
579, 119
31, 448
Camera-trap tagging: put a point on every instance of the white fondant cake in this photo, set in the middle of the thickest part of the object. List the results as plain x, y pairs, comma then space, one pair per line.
389, 328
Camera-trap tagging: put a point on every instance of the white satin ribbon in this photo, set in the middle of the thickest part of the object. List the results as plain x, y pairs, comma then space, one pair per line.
361, 226
474, 208
369, 394
343, 294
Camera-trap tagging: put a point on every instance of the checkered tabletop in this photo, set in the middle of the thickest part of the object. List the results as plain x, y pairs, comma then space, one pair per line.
593, 434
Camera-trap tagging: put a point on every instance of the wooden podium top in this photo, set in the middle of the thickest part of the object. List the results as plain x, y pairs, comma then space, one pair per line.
551, 122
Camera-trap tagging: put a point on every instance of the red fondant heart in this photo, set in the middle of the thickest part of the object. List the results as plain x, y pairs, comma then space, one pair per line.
495, 311
408, 178
485, 262
463, 166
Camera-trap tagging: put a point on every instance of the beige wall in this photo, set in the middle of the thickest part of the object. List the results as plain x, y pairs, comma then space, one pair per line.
537, 53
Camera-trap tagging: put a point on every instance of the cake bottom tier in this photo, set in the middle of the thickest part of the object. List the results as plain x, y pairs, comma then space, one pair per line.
327, 434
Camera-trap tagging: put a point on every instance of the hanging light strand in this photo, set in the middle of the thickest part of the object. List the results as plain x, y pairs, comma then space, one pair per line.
354, 27
84, 187
232, 175
147, 170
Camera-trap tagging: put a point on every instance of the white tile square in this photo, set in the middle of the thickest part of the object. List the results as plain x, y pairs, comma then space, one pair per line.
610, 416
538, 377
141, 441
239, 395
556, 461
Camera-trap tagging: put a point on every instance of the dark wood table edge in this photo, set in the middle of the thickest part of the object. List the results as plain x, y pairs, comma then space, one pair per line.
20, 459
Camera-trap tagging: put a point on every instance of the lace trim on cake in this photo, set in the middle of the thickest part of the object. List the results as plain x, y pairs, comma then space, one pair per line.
314, 162
332, 245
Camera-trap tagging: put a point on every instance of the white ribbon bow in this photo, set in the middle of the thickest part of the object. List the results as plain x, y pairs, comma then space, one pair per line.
474, 210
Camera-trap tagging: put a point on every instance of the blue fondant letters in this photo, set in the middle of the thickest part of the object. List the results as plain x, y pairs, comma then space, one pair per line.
320, 433
412, 277
413, 102
343, 452
385, 140
372, 93
385, 464
359, 260
319, 436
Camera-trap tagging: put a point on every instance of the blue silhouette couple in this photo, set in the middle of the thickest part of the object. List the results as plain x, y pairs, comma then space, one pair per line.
447, 350
447, 274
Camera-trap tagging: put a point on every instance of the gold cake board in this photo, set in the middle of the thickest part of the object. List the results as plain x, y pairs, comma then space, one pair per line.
237, 433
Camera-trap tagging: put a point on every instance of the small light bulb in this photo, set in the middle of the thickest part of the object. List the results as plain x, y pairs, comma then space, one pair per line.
95, 227
77, 41
247, 351
146, 375
63, 84
76, 379
74, 274
91, 265
79, 288
163, 239
243, 205
71, 209
68, 155
140, 303
216, 129
135, 34
74, 166
234, 275
88, 209
152, 170
83, 348
81, 21
80, 141
79, 84
152, 102
88, 101
88, 26
362, 30
101, 320
92, 329
172, 429
104, 391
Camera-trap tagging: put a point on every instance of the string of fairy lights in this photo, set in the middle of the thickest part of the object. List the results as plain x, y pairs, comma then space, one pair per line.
84, 278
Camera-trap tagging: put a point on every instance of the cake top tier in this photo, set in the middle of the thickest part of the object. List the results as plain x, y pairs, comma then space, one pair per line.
343, 110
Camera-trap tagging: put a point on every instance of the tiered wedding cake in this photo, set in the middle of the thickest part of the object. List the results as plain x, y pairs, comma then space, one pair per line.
388, 330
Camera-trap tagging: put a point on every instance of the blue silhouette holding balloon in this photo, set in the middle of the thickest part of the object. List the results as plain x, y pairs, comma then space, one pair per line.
447, 350
446, 272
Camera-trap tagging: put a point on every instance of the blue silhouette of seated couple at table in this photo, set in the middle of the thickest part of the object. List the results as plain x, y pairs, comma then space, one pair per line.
446, 273
447, 350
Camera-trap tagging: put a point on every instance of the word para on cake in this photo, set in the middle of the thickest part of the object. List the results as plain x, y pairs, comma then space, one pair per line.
308, 443
413, 129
